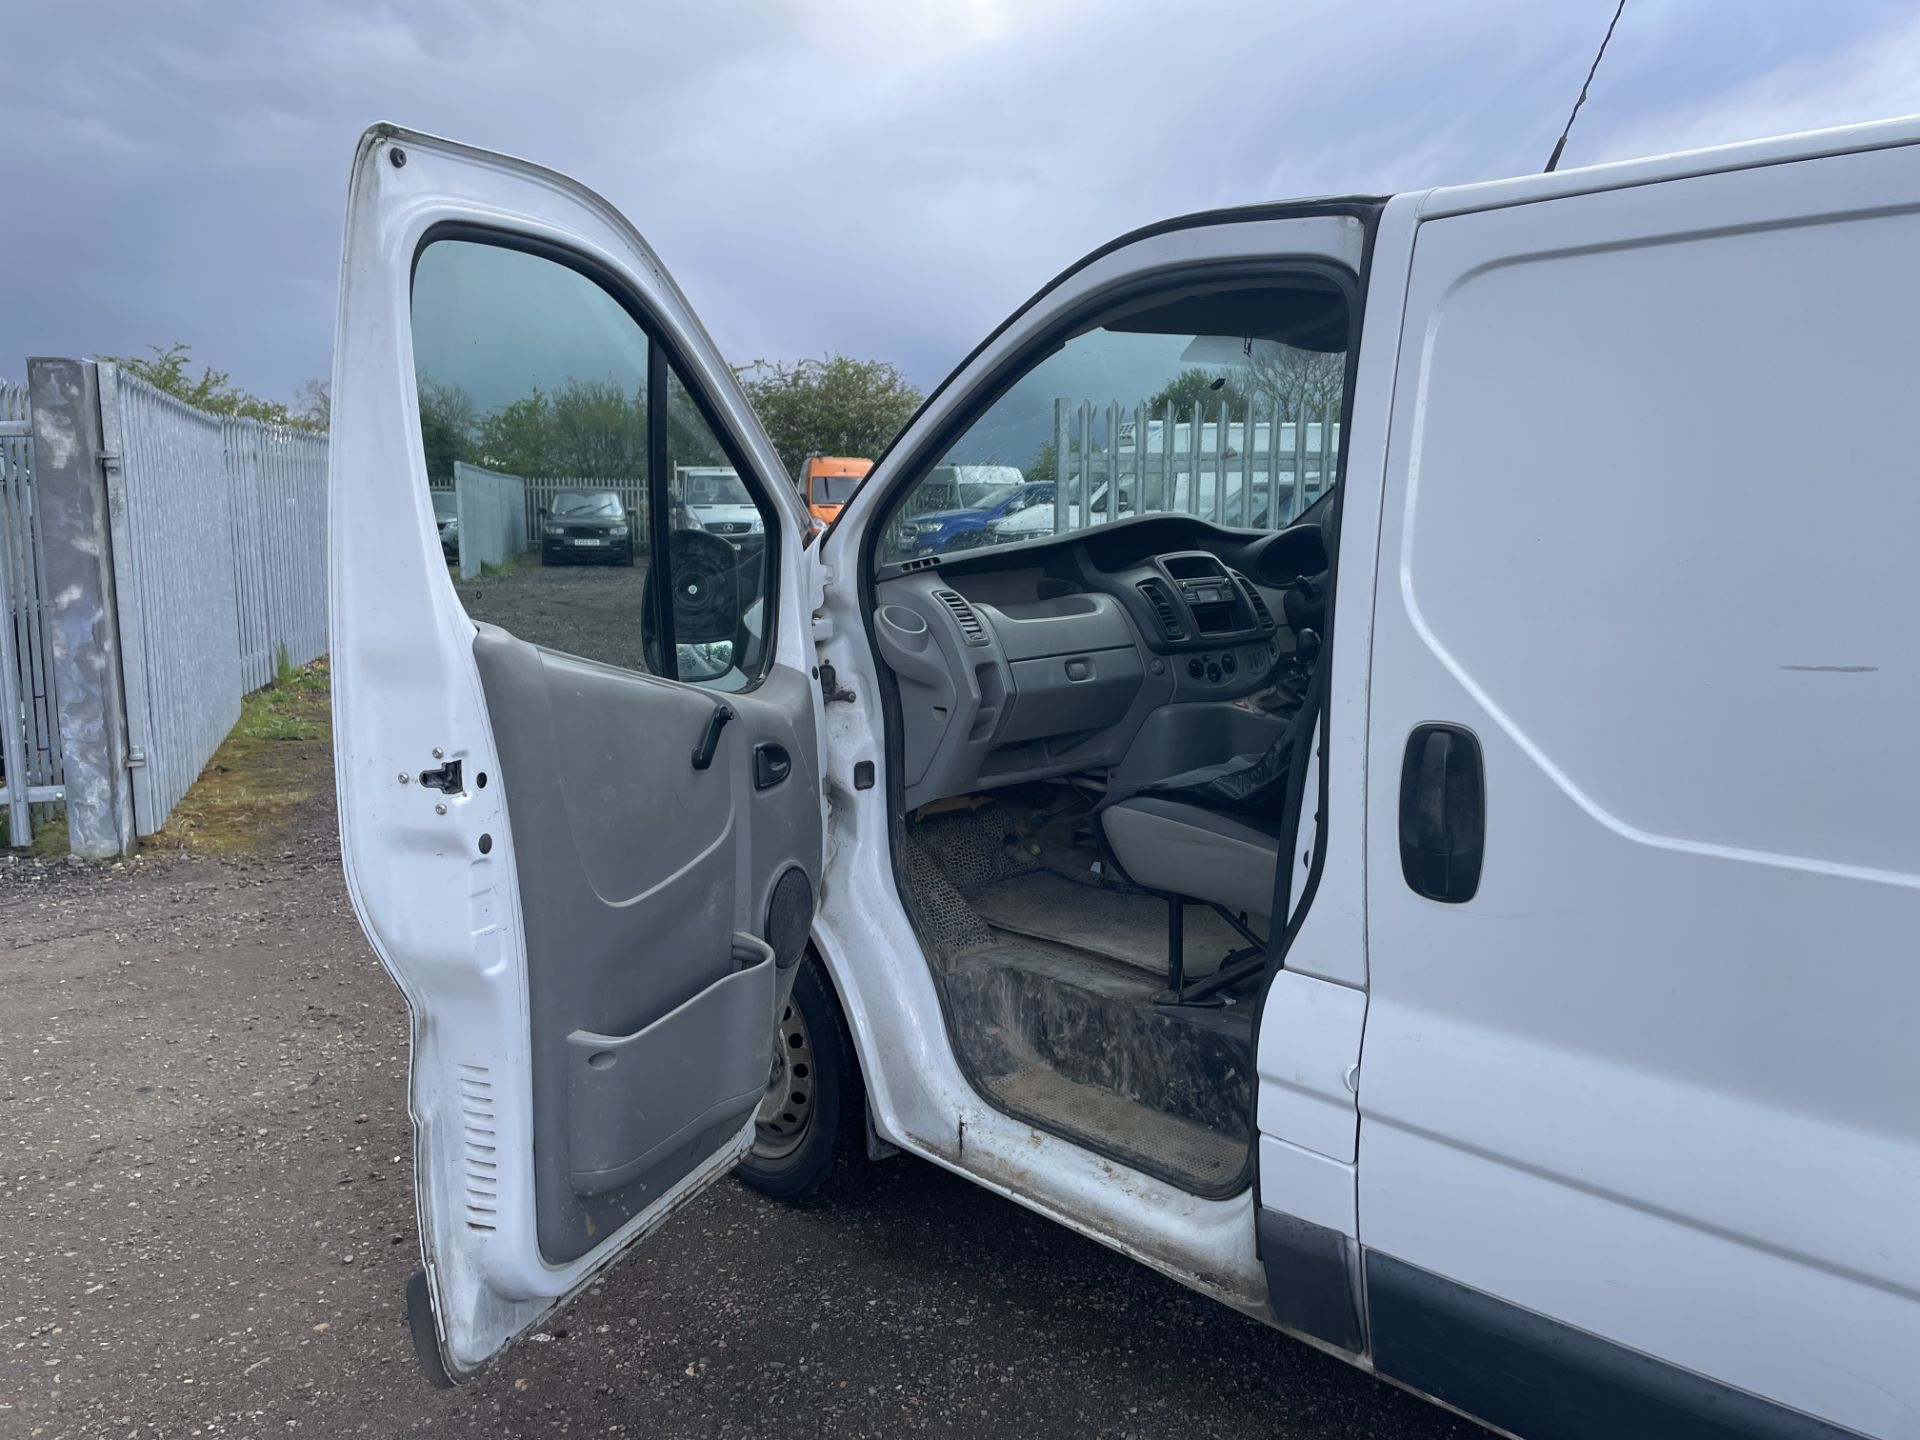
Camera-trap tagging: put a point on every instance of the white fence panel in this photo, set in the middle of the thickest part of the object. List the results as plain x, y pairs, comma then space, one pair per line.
492, 508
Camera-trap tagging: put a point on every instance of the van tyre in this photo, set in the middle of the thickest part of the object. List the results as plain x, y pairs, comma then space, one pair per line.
810, 1135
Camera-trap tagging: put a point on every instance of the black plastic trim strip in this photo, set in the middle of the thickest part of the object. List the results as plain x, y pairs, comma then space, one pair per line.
659, 522
1534, 1376
1311, 1279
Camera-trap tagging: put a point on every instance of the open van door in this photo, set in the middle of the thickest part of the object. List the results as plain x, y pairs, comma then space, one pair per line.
582, 828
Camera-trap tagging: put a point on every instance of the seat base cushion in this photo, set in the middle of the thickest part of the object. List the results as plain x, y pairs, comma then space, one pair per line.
1187, 850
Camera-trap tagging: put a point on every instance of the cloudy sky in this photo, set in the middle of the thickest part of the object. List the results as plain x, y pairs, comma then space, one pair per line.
883, 177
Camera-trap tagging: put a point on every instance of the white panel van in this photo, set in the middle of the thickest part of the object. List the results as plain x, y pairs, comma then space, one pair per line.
1469, 923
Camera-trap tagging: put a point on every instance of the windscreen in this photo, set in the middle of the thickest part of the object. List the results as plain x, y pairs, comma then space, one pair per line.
835, 489
572, 503
1221, 402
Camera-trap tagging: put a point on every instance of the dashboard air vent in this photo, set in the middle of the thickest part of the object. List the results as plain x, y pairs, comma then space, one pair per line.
1255, 599
926, 562
1163, 609
963, 614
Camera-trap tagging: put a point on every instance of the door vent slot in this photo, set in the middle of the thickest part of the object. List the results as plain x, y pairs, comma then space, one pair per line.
479, 1145
964, 615
1256, 600
1163, 610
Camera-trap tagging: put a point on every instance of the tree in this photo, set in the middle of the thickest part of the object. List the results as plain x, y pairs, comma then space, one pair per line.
1044, 467
598, 430
584, 428
835, 405
447, 428
315, 401
1205, 390
1301, 384
1306, 384
167, 370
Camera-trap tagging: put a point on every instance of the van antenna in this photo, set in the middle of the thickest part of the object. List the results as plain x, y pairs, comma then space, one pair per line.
1561, 144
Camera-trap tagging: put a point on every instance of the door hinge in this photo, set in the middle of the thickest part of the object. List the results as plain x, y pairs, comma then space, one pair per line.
136, 757
110, 462
830, 687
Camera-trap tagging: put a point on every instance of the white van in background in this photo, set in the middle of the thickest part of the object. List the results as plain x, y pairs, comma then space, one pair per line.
1470, 926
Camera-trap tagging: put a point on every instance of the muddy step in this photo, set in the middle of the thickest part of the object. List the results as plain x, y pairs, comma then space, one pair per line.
1017, 1005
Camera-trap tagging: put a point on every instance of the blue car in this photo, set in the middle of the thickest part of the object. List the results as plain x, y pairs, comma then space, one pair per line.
939, 531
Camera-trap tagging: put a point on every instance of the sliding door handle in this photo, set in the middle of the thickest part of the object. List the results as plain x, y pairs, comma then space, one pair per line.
1443, 808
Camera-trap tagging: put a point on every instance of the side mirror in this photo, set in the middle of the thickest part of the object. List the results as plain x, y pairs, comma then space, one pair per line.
1014, 507
542, 512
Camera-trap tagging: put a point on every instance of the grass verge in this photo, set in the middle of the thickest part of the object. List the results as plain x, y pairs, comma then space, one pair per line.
49, 838
273, 761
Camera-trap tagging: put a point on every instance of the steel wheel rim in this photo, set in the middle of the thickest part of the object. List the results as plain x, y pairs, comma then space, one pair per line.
786, 1111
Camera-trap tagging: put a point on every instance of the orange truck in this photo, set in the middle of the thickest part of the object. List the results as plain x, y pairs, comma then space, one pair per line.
827, 482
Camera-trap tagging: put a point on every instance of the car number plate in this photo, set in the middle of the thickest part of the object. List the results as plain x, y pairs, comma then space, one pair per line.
589, 542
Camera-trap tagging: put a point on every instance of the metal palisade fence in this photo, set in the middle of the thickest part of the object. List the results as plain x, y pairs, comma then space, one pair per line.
277, 486
1255, 469
160, 562
29, 727
196, 634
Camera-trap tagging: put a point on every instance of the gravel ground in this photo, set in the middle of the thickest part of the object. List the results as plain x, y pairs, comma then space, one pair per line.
206, 1221
590, 610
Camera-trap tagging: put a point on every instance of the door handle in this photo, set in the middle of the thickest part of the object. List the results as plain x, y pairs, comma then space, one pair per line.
771, 765
710, 741
1443, 806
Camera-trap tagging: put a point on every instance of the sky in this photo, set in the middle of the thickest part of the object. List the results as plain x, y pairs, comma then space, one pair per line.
884, 178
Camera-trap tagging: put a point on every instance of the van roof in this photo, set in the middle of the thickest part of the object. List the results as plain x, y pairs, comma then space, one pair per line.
1675, 165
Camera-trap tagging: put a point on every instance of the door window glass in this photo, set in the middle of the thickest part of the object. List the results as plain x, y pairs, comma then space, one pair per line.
1222, 403
540, 428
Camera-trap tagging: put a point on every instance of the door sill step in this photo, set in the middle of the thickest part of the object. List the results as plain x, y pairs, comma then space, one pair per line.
1197, 1158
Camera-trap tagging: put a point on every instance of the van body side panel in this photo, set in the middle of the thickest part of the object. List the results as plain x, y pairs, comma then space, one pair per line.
1648, 533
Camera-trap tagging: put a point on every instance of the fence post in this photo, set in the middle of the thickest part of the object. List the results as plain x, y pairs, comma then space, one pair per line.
13, 731
77, 552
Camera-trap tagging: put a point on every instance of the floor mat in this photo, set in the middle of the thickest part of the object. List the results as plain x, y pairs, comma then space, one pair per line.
1168, 1145
1130, 928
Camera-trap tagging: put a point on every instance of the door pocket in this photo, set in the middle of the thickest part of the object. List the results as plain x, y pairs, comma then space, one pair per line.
632, 1100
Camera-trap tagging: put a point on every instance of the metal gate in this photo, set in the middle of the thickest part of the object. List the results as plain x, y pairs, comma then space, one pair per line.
30, 776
